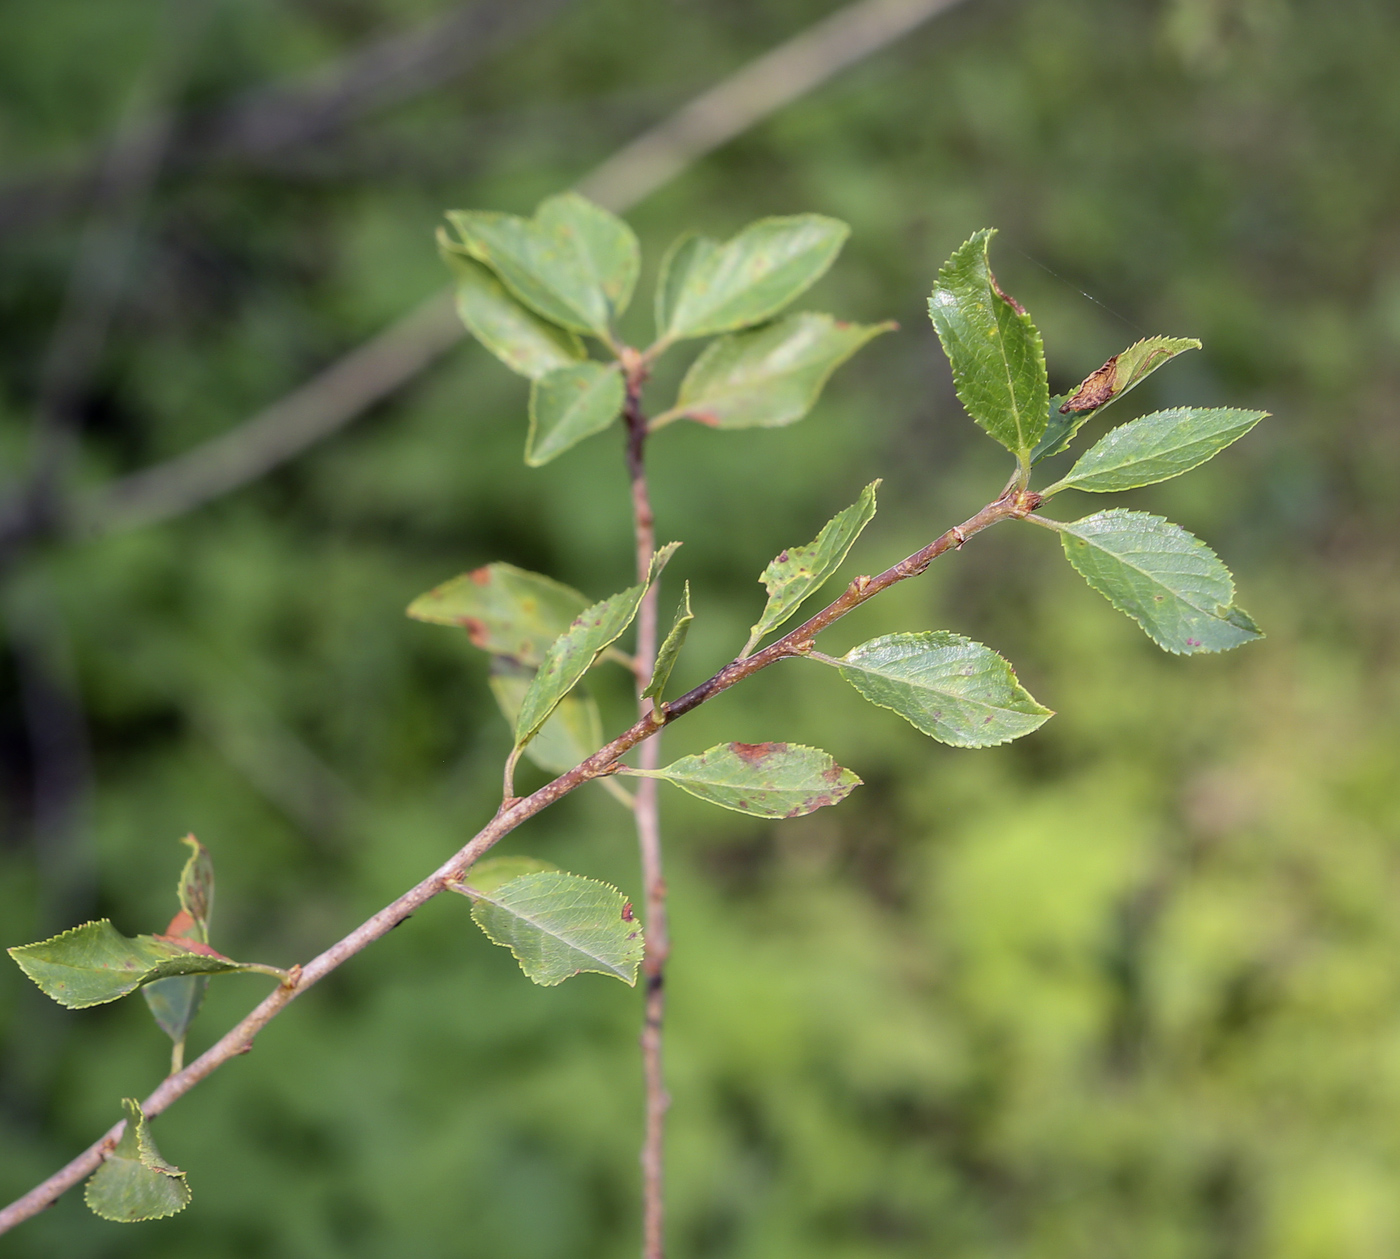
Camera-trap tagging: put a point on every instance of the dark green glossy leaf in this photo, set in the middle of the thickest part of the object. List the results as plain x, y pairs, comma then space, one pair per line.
569, 404
995, 351
134, 1183
706, 287
951, 688
574, 730
801, 570
505, 610
671, 648
760, 779
1156, 447
94, 963
1068, 413
770, 376
1169, 582
558, 925
521, 339
572, 654
573, 263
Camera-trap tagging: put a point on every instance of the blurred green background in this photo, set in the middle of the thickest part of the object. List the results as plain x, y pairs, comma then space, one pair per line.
1128, 987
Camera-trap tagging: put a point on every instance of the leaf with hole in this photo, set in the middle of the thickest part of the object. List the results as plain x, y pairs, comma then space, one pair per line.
1121, 374
572, 654
95, 963
1156, 447
1170, 582
671, 648
993, 347
505, 610
558, 925
760, 779
801, 570
948, 686
570, 404
574, 730
574, 262
521, 339
134, 1183
706, 287
770, 376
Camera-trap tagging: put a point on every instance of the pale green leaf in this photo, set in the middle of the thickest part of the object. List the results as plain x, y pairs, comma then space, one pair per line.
572, 654
573, 263
760, 779
559, 925
706, 287
569, 404
488, 875
951, 688
671, 648
993, 347
801, 570
94, 963
574, 730
1068, 413
505, 610
134, 1183
1156, 447
521, 339
1169, 582
770, 376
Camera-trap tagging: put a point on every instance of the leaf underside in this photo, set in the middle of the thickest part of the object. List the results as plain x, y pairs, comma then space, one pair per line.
670, 650
134, 1183
574, 730
778, 780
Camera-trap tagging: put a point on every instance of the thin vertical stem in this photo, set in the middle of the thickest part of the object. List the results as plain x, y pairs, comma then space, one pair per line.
645, 811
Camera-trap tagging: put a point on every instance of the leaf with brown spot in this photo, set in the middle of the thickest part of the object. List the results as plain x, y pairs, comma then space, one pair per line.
761, 779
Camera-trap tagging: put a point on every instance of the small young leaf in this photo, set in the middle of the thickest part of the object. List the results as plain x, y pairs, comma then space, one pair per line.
573, 263
574, 730
800, 570
706, 287
134, 1183
504, 610
569, 404
571, 655
94, 963
521, 339
1156, 447
951, 688
995, 351
760, 779
1169, 582
767, 377
559, 925
1122, 373
670, 649
175, 1002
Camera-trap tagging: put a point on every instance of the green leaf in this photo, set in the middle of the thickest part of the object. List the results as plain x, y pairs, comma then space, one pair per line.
670, 649
1068, 413
574, 730
569, 404
768, 376
559, 925
573, 263
488, 875
1169, 582
134, 1183
1156, 447
572, 654
94, 963
801, 570
760, 779
175, 1002
706, 287
995, 351
521, 339
958, 691
505, 610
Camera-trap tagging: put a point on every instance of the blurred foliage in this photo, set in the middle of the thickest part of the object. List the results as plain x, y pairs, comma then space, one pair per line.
1128, 987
